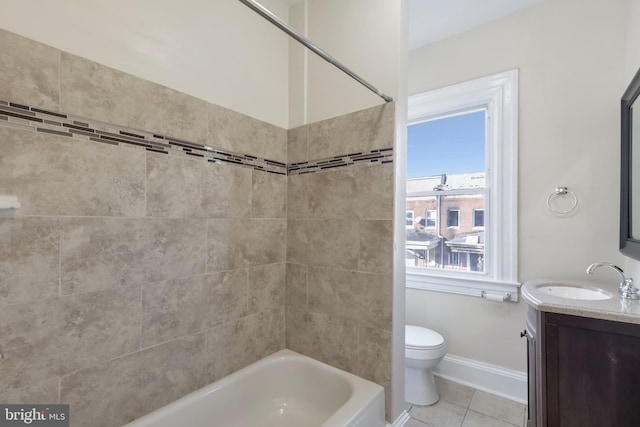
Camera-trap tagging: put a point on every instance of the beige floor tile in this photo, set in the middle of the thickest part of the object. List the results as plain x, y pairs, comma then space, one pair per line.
455, 393
476, 419
497, 407
416, 423
442, 414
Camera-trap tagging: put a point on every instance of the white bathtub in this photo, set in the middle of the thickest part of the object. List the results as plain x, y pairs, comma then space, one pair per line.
285, 389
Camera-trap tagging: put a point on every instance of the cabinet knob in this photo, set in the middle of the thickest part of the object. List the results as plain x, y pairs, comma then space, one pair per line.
523, 334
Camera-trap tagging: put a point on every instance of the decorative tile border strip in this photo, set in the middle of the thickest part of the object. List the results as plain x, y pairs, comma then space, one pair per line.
378, 156
61, 124
24, 117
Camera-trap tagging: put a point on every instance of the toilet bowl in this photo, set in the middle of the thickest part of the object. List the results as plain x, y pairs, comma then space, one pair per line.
423, 350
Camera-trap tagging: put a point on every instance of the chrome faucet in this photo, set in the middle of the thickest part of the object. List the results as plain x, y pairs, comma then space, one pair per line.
626, 288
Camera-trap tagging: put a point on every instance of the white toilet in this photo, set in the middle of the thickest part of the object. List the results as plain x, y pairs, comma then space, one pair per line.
423, 350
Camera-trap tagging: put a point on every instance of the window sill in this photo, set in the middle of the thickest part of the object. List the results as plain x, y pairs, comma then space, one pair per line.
462, 285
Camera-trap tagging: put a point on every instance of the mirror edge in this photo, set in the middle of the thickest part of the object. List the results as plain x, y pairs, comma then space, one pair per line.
628, 245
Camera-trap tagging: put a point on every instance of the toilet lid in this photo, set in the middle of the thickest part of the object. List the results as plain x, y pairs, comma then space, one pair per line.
419, 337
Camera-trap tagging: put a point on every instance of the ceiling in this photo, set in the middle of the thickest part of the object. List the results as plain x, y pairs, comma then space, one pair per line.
432, 20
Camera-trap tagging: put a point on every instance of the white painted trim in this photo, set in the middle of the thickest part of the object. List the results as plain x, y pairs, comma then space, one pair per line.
454, 285
493, 379
401, 420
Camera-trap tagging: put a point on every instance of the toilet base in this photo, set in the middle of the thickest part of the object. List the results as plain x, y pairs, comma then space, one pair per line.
420, 386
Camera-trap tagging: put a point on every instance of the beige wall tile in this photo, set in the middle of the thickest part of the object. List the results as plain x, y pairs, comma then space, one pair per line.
54, 175
29, 259
174, 308
229, 348
323, 242
334, 194
29, 72
266, 287
234, 243
297, 144
360, 297
296, 286
325, 338
37, 392
229, 296
181, 188
376, 246
93, 90
114, 393
54, 336
374, 354
234, 345
352, 133
99, 253
268, 195
297, 196
239, 133
374, 359
357, 192
269, 330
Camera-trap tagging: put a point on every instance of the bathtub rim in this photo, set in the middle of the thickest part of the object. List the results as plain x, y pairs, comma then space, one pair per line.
364, 393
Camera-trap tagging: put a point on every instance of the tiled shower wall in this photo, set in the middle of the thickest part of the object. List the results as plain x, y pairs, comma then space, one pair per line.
340, 246
132, 277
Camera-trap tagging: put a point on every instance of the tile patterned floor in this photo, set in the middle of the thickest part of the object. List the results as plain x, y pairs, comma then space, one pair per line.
462, 406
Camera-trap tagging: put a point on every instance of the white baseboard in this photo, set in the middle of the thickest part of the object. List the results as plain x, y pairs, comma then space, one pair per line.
483, 376
401, 420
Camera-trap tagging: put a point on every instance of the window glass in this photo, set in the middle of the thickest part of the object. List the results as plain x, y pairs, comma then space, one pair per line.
431, 218
446, 162
478, 217
409, 219
453, 218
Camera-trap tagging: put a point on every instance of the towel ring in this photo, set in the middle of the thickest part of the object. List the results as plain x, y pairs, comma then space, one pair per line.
562, 191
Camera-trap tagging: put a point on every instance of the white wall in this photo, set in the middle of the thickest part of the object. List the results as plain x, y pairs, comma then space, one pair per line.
364, 35
571, 56
220, 50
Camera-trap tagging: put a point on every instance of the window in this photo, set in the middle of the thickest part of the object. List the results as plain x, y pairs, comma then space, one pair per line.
409, 219
453, 218
431, 218
472, 187
478, 218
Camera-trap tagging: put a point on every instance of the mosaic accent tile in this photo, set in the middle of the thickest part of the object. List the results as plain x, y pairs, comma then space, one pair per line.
364, 158
69, 125
21, 116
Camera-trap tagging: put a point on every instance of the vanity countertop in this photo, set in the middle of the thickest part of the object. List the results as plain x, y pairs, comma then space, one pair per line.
615, 308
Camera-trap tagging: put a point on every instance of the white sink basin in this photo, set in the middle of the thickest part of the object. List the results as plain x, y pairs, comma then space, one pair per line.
573, 292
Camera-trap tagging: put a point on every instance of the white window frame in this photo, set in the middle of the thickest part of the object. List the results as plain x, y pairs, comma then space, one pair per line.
497, 93
435, 218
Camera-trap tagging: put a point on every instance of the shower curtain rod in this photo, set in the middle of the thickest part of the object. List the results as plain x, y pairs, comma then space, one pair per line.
266, 13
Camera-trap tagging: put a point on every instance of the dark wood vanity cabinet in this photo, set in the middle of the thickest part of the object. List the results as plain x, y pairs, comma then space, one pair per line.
583, 372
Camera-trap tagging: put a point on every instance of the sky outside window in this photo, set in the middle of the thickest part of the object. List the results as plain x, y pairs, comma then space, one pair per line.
448, 145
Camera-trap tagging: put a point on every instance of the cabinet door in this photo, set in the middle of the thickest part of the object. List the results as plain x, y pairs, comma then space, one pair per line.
592, 372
